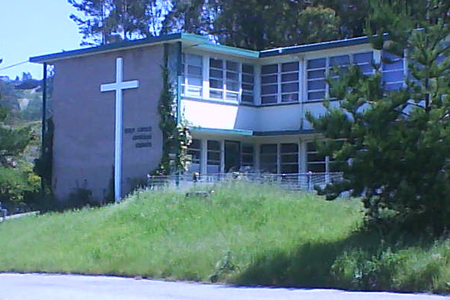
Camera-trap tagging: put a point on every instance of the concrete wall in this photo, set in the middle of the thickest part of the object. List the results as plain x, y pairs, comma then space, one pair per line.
210, 114
84, 120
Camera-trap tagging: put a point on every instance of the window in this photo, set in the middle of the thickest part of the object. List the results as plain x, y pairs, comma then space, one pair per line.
289, 158
268, 157
195, 152
280, 83
225, 80
393, 71
213, 157
316, 75
318, 69
248, 83
192, 71
318, 163
247, 157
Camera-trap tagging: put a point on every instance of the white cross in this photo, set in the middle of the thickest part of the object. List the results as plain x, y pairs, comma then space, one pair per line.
118, 87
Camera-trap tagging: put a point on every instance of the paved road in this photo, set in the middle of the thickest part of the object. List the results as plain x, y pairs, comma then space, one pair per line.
71, 287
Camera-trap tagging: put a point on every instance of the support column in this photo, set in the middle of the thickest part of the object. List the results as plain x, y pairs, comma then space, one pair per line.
44, 120
222, 156
257, 162
203, 156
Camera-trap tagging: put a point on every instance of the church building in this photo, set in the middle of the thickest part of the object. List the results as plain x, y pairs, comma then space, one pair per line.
245, 109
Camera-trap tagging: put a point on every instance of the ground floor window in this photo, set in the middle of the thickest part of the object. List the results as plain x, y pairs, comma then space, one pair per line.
289, 158
213, 157
247, 156
268, 158
194, 151
318, 163
274, 158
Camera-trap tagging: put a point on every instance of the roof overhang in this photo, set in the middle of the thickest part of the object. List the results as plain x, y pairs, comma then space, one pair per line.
315, 47
243, 132
189, 40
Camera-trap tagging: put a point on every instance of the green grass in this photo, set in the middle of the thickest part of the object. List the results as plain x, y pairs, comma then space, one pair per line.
244, 234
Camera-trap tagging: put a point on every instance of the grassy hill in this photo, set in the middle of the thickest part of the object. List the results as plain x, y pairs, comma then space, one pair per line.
244, 234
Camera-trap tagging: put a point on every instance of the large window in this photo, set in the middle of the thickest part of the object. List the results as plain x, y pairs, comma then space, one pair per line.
213, 157
318, 69
280, 83
225, 82
289, 158
393, 71
248, 83
268, 158
192, 71
247, 156
318, 163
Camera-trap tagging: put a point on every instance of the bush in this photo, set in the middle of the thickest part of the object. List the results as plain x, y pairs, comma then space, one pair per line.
19, 186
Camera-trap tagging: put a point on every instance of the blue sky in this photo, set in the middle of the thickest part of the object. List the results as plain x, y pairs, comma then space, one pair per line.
34, 27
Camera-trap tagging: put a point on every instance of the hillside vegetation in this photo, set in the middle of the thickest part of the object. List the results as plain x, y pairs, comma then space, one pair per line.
244, 234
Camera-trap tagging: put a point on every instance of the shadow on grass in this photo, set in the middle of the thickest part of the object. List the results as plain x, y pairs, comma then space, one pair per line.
362, 261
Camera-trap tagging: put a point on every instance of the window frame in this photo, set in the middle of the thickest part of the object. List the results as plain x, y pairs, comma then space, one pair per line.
185, 75
328, 68
279, 83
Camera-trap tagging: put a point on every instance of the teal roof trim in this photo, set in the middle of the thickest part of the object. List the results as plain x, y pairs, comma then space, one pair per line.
251, 132
201, 42
228, 50
315, 47
223, 131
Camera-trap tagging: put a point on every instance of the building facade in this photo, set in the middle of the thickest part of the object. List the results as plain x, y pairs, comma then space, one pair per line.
246, 109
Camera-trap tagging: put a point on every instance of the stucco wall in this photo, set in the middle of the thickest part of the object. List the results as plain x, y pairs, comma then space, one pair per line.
218, 115
84, 120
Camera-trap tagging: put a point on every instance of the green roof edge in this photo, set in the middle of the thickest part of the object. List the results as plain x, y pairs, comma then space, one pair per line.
245, 132
203, 44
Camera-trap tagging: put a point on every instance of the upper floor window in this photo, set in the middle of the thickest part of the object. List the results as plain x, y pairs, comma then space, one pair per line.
280, 83
230, 80
393, 71
192, 71
318, 69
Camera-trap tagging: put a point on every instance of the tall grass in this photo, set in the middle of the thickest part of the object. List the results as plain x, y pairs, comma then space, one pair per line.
245, 234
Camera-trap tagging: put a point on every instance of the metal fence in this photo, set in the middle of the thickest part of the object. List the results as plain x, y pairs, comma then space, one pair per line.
298, 181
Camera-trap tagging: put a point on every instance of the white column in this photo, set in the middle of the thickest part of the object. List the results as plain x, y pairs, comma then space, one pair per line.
204, 156
222, 156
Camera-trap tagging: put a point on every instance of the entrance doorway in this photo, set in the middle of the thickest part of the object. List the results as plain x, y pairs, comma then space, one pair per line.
232, 156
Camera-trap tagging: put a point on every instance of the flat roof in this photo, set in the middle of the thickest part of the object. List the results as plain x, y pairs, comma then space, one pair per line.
315, 47
199, 42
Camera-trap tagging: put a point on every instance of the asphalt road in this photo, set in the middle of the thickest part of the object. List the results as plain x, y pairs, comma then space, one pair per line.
71, 287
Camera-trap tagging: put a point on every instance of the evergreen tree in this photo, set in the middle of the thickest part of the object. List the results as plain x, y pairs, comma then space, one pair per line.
393, 146
192, 16
106, 21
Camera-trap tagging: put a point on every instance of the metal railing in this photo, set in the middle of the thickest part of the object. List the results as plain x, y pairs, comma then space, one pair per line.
298, 181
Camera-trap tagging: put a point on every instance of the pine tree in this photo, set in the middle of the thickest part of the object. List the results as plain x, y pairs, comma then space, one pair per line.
394, 146
106, 21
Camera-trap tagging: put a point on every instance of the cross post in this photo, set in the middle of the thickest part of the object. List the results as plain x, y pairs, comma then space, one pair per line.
118, 87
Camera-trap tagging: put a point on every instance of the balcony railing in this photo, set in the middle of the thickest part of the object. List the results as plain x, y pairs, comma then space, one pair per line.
298, 181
